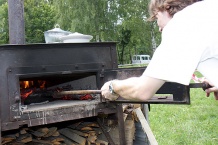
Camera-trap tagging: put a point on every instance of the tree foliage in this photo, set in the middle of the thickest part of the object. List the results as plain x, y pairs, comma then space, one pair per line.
107, 20
4, 31
39, 17
121, 21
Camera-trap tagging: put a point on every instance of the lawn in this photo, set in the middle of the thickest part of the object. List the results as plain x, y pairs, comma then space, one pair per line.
195, 124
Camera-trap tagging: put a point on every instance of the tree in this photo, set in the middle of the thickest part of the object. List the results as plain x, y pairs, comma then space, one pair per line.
92, 17
106, 20
2, 2
124, 41
133, 15
39, 17
4, 30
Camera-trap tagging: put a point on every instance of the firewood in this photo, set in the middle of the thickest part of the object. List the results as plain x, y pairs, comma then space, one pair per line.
92, 138
79, 132
9, 137
73, 136
86, 128
124, 116
101, 142
17, 134
41, 142
75, 125
125, 106
68, 141
129, 110
112, 123
134, 116
56, 133
14, 143
6, 141
52, 130
25, 138
28, 139
23, 131
56, 143
92, 132
38, 133
36, 143
53, 139
43, 129
97, 131
90, 124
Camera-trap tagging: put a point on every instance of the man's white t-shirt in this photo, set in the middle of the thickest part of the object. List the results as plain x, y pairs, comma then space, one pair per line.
189, 42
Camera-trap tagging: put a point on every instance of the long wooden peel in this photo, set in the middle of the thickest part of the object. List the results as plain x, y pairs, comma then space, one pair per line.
77, 92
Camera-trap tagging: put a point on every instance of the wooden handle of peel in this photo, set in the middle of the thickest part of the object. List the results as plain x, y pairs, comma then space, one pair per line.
78, 92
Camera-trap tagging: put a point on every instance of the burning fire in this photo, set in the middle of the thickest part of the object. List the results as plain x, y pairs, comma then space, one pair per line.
32, 84
37, 89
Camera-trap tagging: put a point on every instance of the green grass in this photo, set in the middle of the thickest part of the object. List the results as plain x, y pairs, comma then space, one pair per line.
195, 124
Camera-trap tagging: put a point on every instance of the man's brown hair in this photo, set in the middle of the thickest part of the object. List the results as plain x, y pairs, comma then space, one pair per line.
172, 6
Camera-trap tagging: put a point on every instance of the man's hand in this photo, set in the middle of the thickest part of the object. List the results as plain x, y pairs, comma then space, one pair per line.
106, 92
212, 89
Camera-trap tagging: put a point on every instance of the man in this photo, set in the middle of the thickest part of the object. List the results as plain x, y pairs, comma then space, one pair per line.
189, 42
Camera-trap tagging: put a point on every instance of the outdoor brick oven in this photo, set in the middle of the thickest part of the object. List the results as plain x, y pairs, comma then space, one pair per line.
30, 75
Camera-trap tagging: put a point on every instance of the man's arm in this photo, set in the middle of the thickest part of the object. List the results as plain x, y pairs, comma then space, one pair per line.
134, 88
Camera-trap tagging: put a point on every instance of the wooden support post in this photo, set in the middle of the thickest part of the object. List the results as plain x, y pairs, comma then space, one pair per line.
121, 124
146, 127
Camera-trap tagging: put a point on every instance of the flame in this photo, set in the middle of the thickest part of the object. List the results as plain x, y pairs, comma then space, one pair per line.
26, 94
25, 84
42, 84
28, 87
32, 84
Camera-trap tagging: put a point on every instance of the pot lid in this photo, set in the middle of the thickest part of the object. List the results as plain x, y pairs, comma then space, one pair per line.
57, 29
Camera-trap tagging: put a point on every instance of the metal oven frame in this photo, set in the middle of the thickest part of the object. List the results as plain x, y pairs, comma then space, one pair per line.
77, 60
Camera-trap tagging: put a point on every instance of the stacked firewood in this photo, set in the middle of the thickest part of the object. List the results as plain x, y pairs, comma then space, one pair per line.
81, 133
28, 136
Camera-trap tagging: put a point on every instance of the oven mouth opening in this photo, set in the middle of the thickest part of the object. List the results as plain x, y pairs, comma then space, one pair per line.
40, 91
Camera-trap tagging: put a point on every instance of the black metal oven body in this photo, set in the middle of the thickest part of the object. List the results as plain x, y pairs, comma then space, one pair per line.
82, 65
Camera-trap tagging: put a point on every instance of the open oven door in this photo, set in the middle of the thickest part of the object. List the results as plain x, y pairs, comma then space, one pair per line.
169, 93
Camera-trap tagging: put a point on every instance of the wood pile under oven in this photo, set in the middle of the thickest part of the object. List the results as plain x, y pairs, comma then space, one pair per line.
76, 134
101, 130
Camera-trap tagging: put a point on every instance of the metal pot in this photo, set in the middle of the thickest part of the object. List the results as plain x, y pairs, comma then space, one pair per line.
53, 35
